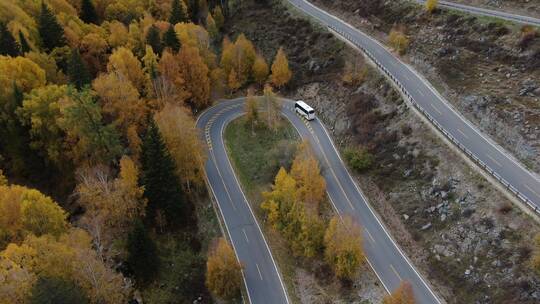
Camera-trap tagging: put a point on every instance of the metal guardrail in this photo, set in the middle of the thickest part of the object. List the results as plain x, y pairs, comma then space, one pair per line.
464, 149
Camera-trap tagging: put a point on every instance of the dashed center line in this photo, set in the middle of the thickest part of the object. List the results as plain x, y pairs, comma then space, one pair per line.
245, 234
463, 133
259, 270
531, 189
395, 271
494, 160
420, 92
370, 236
435, 108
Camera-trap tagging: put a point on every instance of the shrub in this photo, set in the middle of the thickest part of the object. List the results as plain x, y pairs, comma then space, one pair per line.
398, 40
359, 158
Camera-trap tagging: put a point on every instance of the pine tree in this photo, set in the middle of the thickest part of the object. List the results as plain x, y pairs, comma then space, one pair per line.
56, 290
194, 10
88, 12
171, 40
25, 47
177, 13
142, 254
8, 44
50, 31
161, 184
154, 40
77, 70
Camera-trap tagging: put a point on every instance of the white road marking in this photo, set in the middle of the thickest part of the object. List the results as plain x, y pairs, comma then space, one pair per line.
463, 133
395, 271
259, 270
531, 189
438, 111
420, 92
370, 236
494, 160
245, 234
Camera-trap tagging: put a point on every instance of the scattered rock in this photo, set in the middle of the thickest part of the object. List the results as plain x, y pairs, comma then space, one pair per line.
426, 226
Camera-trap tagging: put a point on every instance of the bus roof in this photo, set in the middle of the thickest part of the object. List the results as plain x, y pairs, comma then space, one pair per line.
304, 105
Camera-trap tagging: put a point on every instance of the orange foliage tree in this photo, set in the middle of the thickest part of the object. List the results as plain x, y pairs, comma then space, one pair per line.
281, 74
223, 272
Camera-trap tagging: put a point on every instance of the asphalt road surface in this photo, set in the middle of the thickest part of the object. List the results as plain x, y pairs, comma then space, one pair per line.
483, 150
487, 12
261, 275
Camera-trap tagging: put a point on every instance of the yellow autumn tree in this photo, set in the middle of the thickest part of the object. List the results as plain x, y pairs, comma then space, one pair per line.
431, 5
232, 81
3, 179
15, 282
304, 230
170, 86
72, 258
272, 105
238, 56
252, 111
120, 100
19, 71
305, 170
41, 112
281, 74
195, 74
123, 62
355, 72
223, 272
25, 211
398, 40
118, 34
301, 226
218, 80
278, 202
343, 247
112, 205
244, 57
181, 136
535, 259
260, 70
402, 295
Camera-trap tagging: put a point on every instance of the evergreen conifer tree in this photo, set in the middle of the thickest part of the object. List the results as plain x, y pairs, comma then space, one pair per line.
194, 10
142, 254
8, 44
25, 47
161, 185
153, 39
170, 39
77, 71
50, 31
177, 13
56, 290
88, 12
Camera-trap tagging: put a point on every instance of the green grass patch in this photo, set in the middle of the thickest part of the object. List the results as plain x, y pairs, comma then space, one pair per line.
258, 156
256, 159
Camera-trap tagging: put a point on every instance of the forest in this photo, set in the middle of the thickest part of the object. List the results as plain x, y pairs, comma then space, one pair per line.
101, 165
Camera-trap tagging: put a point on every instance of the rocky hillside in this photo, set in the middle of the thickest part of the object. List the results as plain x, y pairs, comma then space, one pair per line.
468, 240
524, 7
487, 69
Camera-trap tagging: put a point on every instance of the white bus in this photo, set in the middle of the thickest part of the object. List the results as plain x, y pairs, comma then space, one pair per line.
304, 109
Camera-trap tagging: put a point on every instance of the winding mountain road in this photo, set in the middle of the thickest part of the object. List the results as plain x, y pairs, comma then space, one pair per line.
486, 12
487, 154
262, 277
